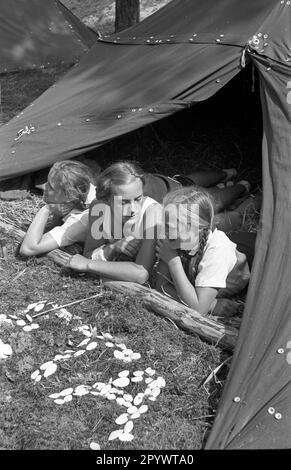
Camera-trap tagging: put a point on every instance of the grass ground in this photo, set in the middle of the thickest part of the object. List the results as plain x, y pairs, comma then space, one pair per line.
218, 133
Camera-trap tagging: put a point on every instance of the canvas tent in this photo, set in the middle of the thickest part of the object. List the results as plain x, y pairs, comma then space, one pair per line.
37, 33
181, 55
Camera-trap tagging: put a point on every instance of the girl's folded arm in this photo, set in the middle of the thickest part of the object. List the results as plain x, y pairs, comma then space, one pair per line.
199, 298
35, 241
130, 271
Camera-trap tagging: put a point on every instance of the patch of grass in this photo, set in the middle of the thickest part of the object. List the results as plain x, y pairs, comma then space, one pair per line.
31, 420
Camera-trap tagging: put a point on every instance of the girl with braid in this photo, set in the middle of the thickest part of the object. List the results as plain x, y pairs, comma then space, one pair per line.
198, 263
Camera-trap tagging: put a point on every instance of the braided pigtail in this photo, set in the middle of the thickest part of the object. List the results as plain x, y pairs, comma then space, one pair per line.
194, 261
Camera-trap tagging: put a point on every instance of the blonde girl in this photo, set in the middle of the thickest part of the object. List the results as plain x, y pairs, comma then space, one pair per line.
198, 263
122, 229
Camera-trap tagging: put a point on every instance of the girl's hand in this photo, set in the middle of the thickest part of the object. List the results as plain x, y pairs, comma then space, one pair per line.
128, 246
79, 263
61, 210
165, 252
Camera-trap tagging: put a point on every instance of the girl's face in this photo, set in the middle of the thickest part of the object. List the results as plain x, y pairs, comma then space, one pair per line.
180, 229
126, 200
52, 194
56, 198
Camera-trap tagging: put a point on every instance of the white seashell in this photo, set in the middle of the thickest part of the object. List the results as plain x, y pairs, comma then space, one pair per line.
156, 391
87, 333
84, 327
128, 352
121, 346
120, 401
122, 419
128, 427
107, 335
79, 353
67, 391
126, 437
152, 398
66, 356
137, 379
68, 398
31, 306
35, 374
114, 390
45, 365
126, 359
118, 354
147, 391
137, 401
50, 370
58, 357
109, 345
111, 396
97, 394
85, 387
3, 356
152, 385
38, 378
54, 395
27, 328
69, 351
150, 371
148, 380
135, 356
127, 397
34, 326
127, 404
115, 434
14, 317
143, 409
161, 382
132, 409
92, 346
98, 385
29, 318
123, 373
85, 341
59, 401
5, 349
138, 373
81, 392
121, 382
39, 307
94, 446
20, 323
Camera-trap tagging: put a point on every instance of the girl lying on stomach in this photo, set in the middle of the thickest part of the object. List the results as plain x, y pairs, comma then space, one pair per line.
198, 263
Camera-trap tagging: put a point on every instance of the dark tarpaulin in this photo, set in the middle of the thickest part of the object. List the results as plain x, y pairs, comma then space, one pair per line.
121, 86
36, 33
182, 54
260, 374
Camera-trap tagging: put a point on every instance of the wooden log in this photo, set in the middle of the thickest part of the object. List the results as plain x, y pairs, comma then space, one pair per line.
186, 318
60, 257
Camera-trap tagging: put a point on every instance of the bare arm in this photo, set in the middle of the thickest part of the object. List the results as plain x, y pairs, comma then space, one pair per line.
198, 298
36, 241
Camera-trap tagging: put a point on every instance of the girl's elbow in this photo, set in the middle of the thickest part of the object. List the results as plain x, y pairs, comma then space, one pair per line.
25, 251
142, 276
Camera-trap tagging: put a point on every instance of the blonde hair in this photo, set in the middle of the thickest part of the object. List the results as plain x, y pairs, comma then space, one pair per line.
117, 174
73, 179
194, 198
